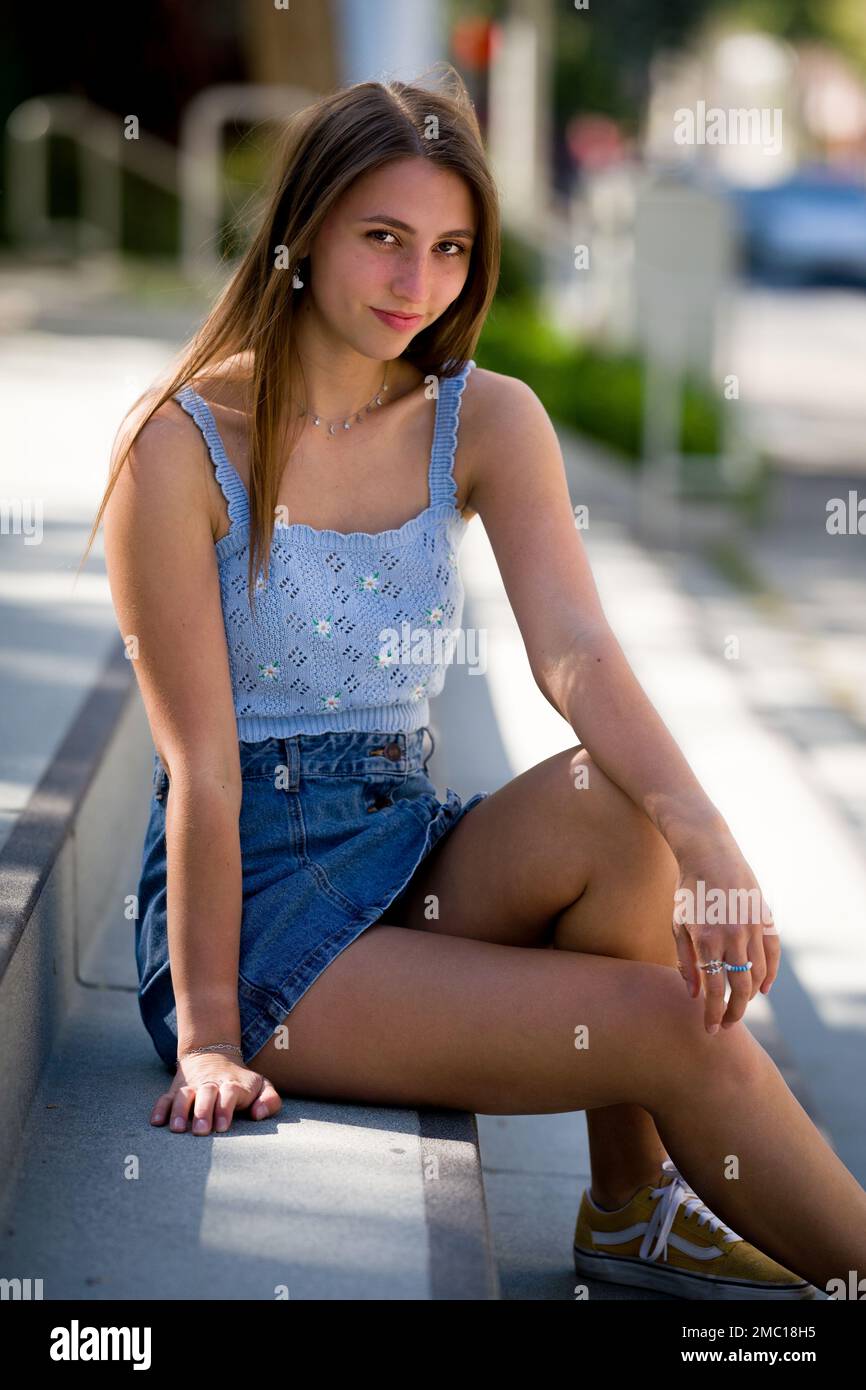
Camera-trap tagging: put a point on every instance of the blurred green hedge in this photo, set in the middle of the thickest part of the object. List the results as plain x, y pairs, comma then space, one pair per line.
592, 392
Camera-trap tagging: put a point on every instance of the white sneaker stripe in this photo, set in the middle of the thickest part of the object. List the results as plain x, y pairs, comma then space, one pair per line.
698, 1252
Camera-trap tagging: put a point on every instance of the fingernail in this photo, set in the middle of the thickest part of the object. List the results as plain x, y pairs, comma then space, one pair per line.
178, 1122
222, 1123
713, 1028
200, 1124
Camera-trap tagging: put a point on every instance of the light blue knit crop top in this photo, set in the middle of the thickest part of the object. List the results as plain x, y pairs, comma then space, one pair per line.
353, 630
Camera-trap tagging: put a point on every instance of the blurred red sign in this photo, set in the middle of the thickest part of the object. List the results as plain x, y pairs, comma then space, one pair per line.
594, 141
473, 42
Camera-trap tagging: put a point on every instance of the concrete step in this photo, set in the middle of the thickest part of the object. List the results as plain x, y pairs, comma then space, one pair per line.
324, 1201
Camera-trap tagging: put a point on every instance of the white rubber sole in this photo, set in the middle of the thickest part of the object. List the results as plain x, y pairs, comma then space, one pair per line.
622, 1269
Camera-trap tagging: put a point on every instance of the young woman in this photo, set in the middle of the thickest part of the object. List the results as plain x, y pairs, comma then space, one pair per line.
288, 510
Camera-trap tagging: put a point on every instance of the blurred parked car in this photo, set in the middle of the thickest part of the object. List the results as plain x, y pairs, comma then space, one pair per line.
810, 229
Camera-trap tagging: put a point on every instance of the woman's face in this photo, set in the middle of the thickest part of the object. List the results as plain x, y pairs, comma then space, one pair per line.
398, 240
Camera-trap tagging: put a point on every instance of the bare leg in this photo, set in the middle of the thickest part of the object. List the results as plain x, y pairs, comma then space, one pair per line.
543, 863
403, 1017
624, 910
793, 1197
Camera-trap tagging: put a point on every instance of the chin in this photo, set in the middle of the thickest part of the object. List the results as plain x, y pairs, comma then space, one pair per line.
375, 352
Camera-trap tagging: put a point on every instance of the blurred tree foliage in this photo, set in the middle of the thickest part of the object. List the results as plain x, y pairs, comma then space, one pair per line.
520, 268
839, 23
602, 55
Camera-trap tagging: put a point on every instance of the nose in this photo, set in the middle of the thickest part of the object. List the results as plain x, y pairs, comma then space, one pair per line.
410, 283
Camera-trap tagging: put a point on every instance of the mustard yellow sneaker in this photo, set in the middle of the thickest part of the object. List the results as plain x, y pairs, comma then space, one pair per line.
666, 1239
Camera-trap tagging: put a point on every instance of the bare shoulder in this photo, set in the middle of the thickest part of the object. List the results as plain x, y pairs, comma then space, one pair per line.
167, 467
505, 423
164, 580
492, 399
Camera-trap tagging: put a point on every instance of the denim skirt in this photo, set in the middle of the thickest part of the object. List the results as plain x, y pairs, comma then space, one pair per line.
332, 829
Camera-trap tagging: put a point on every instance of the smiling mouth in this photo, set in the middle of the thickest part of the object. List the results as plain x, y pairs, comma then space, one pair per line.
394, 314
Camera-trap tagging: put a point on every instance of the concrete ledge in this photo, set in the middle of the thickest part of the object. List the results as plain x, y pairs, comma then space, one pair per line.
327, 1201
57, 874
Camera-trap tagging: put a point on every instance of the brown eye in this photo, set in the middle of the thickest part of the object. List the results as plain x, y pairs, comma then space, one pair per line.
380, 231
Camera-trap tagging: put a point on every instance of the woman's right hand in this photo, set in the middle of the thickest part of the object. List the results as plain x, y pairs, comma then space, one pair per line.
215, 1085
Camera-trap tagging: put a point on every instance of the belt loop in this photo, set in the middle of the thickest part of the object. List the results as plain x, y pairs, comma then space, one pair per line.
292, 752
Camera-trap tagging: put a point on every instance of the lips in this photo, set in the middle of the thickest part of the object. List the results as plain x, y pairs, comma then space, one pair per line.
398, 321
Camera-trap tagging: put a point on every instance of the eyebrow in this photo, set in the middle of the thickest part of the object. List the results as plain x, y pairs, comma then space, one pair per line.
404, 226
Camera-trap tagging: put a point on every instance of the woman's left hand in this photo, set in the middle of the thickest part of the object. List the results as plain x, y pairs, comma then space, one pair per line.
721, 914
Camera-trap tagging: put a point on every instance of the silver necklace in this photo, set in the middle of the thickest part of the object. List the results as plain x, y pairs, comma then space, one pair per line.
356, 418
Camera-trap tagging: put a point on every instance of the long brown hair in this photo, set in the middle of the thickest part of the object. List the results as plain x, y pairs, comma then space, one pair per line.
322, 150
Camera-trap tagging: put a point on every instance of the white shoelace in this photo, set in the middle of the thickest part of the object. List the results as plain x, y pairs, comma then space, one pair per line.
678, 1193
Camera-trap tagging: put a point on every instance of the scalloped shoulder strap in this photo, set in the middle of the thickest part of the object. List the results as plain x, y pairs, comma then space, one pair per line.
443, 487
226, 474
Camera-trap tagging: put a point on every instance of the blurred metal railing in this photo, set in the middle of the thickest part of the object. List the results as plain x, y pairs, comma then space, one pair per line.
201, 174
106, 144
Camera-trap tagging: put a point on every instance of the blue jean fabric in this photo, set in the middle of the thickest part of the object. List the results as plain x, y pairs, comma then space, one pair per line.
332, 829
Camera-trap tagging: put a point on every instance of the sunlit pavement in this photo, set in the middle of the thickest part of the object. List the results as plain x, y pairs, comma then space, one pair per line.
737, 723
67, 397
799, 359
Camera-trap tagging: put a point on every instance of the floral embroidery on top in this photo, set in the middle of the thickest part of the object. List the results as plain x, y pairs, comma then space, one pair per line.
368, 581
386, 656
331, 701
269, 671
323, 625
435, 614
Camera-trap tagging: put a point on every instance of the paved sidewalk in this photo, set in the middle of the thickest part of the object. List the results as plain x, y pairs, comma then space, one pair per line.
75, 351
816, 590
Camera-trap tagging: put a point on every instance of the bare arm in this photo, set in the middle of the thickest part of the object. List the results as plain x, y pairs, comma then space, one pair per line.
521, 494
165, 589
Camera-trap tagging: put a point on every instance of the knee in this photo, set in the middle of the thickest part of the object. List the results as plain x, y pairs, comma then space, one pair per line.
625, 821
629, 855
729, 1061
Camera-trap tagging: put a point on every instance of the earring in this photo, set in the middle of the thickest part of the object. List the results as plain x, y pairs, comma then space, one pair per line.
297, 282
